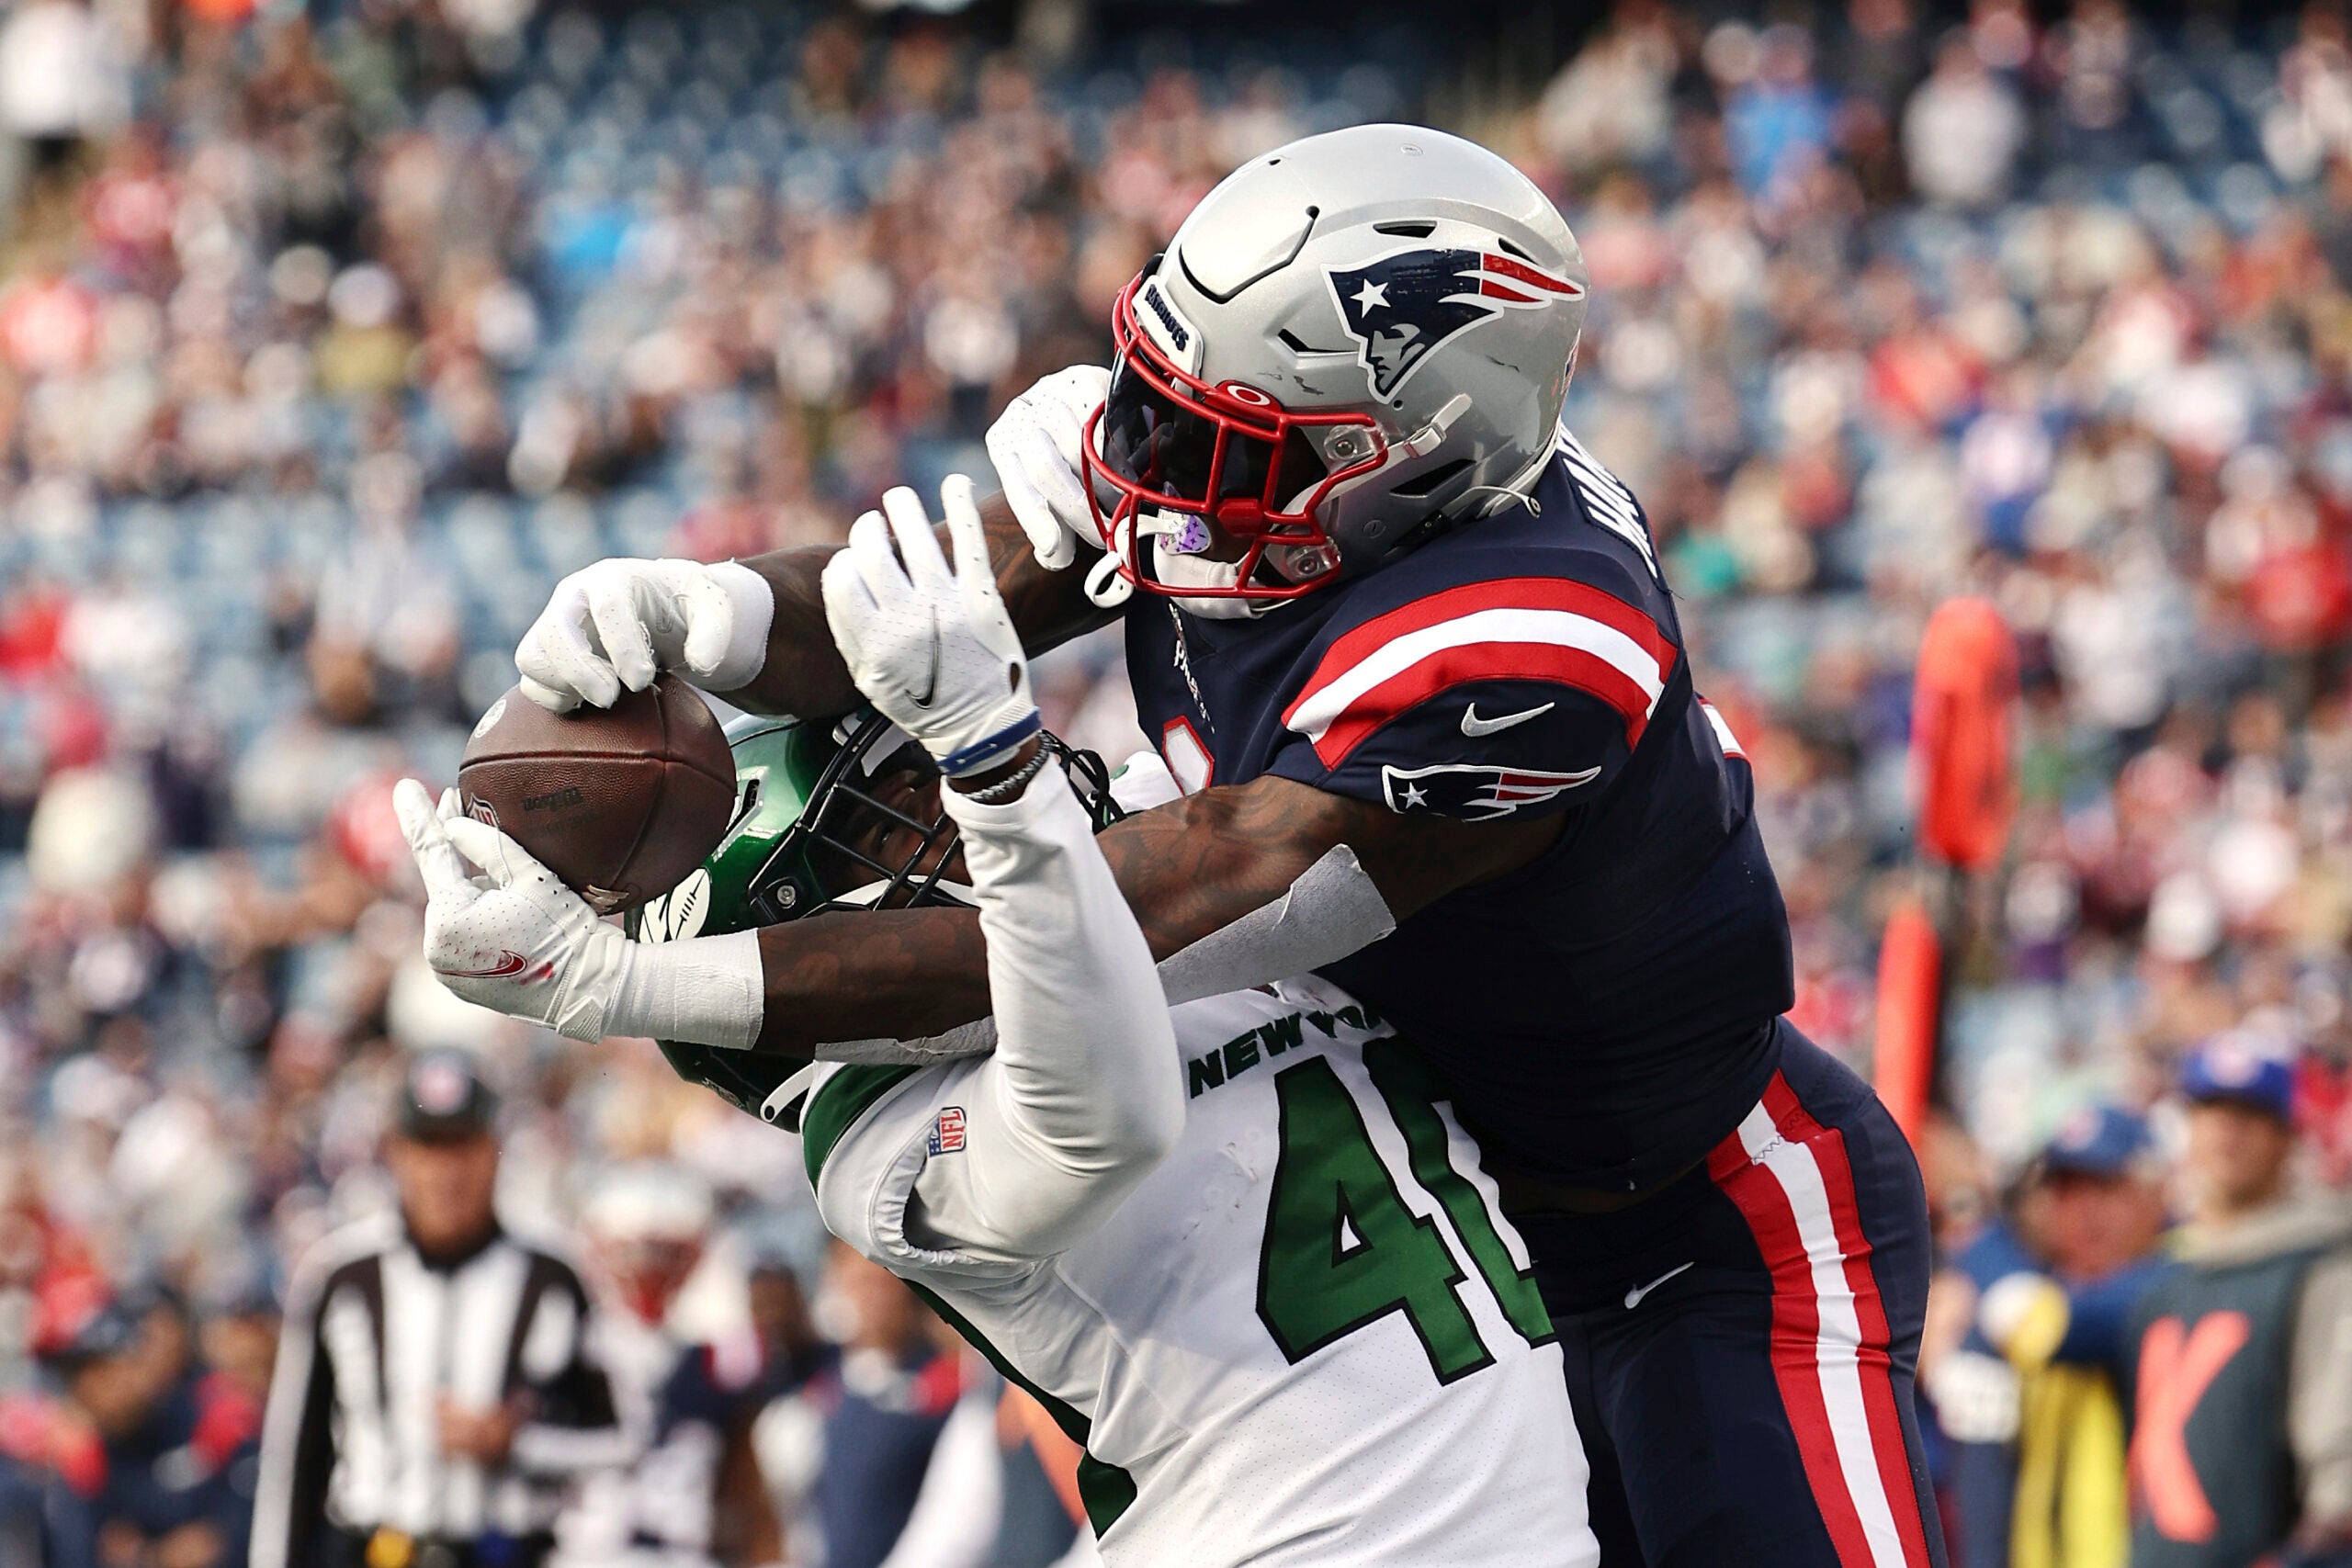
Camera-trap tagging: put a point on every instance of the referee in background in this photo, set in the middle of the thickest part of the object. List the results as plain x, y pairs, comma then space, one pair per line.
433, 1399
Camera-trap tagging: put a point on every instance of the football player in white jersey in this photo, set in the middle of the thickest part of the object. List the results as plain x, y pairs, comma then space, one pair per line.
1238, 1247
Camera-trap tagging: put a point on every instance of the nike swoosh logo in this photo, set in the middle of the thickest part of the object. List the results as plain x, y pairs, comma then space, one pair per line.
1633, 1297
510, 963
1472, 725
930, 682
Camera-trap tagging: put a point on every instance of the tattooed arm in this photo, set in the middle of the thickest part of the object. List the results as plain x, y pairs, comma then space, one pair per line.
804, 675
1190, 868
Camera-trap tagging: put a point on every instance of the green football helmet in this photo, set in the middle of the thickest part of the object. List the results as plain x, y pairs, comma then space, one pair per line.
821, 824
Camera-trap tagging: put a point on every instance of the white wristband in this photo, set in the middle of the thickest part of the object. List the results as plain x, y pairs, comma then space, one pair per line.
706, 990
747, 639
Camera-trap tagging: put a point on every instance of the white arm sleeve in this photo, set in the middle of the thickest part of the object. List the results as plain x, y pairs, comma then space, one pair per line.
1084, 1094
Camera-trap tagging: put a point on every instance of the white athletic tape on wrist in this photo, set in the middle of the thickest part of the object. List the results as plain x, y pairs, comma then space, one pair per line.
707, 991
1332, 911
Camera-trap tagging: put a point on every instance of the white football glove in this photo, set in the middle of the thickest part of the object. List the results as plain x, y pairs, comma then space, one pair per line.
515, 939
934, 649
1035, 445
620, 623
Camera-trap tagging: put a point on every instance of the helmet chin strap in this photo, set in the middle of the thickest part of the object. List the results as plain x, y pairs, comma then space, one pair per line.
1105, 585
1177, 569
1177, 538
1519, 489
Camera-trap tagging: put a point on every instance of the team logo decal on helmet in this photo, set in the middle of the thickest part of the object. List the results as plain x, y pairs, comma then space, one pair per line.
1400, 307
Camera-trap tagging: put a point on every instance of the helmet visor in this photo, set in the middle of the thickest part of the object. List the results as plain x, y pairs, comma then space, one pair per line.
1186, 461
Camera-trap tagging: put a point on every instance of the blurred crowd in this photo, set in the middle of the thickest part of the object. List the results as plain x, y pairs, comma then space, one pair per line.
332, 335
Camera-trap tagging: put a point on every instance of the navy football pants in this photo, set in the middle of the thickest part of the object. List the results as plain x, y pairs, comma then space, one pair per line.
1742, 1346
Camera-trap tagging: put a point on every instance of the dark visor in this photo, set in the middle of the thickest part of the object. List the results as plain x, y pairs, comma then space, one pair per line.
1162, 445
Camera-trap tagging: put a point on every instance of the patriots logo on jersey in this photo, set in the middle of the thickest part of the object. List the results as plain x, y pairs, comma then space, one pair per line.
1401, 306
1474, 791
947, 1131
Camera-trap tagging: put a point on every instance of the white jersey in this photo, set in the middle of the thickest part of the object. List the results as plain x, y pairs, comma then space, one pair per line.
1307, 1338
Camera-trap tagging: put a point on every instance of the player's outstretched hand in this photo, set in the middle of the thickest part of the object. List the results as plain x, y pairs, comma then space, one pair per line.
620, 623
499, 929
932, 647
1035, 445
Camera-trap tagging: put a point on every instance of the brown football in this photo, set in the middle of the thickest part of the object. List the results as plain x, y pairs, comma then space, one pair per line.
622, 802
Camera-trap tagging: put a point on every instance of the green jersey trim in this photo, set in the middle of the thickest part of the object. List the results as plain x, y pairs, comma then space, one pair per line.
836, 1104
1105, 1489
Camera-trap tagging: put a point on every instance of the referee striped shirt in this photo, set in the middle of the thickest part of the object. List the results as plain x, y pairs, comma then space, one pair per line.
375, 1338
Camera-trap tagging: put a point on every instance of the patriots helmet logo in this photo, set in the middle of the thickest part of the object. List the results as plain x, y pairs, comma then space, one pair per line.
1401, 306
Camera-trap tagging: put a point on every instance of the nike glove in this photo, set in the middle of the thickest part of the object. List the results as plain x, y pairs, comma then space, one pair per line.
1035, 445
933, 648
515, 939
620, 623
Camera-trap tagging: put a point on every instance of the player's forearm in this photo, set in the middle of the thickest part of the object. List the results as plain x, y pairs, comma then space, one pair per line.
888, 973
1190, 870
804, 675
1186, 870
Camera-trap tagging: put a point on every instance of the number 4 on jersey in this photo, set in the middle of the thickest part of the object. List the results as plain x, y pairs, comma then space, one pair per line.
1342, 1249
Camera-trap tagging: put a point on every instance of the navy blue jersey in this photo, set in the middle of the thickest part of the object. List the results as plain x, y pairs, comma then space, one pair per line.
1603, 1014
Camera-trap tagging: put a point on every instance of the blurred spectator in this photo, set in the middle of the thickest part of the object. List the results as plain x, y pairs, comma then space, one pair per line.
434, 1395
690, 1492
853, 1451
2028, 1395
1042, 1522
156, 1462
2243, 1357
60, 82
1776, 119
1963, 131
1611, 105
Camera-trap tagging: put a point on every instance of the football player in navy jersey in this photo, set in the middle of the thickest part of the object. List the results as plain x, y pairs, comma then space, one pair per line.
1407, 645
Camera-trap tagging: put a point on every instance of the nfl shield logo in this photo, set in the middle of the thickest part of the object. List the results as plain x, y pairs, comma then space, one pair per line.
947, 1131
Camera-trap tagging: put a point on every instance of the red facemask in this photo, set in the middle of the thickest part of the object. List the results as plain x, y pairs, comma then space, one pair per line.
1166, 442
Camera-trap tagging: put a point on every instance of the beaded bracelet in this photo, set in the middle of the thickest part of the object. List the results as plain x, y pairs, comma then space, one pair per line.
1009, 785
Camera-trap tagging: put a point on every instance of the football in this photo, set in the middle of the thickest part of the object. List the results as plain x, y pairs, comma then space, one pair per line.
621, 803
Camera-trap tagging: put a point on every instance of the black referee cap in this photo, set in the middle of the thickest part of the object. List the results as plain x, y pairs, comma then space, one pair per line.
444, 1100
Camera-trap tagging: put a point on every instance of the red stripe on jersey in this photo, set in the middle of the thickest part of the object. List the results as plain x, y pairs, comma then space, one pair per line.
1503, 593
1873, 1361
1485, 661
1860, 1479
1796, 1331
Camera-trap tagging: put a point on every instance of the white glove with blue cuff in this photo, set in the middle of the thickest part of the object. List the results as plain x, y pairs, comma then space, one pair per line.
931, 648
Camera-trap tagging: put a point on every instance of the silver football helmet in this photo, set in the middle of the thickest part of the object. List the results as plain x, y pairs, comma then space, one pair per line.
1353, 343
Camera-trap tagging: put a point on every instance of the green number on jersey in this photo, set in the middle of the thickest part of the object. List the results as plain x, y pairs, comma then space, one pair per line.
1341, 1248
1411, 1091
